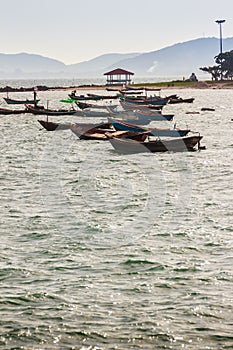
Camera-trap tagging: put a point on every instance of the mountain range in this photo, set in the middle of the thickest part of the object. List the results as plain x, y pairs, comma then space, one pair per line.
177, 60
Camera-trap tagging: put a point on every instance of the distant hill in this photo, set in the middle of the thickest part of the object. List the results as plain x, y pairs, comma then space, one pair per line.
100, 63
180, 59
21, 64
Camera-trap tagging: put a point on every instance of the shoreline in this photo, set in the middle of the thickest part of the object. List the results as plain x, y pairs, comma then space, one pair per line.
161, 85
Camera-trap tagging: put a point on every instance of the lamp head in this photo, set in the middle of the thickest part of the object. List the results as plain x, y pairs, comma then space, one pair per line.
219, 21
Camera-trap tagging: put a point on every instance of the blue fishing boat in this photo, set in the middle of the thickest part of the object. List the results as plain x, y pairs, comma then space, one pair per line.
147, 101
125, 126
153, 116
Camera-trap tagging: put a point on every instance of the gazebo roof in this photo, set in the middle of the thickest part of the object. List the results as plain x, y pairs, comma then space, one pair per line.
118, 71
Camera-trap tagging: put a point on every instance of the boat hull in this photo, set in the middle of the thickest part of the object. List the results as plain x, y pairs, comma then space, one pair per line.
50, 112
120, 125
9, 101
155, 117
51, 126
104, 131
5, 111
166, 145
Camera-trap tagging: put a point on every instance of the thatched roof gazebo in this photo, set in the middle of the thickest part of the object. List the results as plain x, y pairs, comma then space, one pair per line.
118, 76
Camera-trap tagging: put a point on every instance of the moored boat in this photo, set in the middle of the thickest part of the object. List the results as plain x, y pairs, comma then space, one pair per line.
91, 113
6, 111
153, 100
131, 106
83, 97
10, 101
103, 97
124, 126
144, 111
103, 131
153, 116
46, 111
175, 100
51, 126
84, 105
90, 131
187, 143
91, 96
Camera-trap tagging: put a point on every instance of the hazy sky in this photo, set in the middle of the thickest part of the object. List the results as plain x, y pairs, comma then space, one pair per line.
73, 31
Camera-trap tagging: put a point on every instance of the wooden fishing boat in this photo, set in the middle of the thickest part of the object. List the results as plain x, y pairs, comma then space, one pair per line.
91, 96
136, 88
90, 131
147, 101
130, 117
181, 144
103, 97
124, 126
84, 105
132, 92
131, 106
181, 100
203, 109
51, 126
46, 111
143, 112
83, 97
152, 89
103, 131
88, 113
10, 101
6, 111
140, 116
112, 89
154, 116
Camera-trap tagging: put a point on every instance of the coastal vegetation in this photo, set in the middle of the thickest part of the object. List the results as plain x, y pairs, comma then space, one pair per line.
223, 68
188, 84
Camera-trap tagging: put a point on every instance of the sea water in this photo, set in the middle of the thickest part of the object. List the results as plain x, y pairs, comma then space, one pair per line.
107, 251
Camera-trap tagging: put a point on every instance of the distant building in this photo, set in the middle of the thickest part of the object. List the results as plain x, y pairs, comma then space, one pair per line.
118, 76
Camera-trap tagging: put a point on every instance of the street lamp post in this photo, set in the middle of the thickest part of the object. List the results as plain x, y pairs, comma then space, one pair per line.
220, 21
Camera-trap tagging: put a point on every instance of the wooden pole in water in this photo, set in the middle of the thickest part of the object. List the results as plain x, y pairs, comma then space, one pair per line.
47, 106
34, 98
